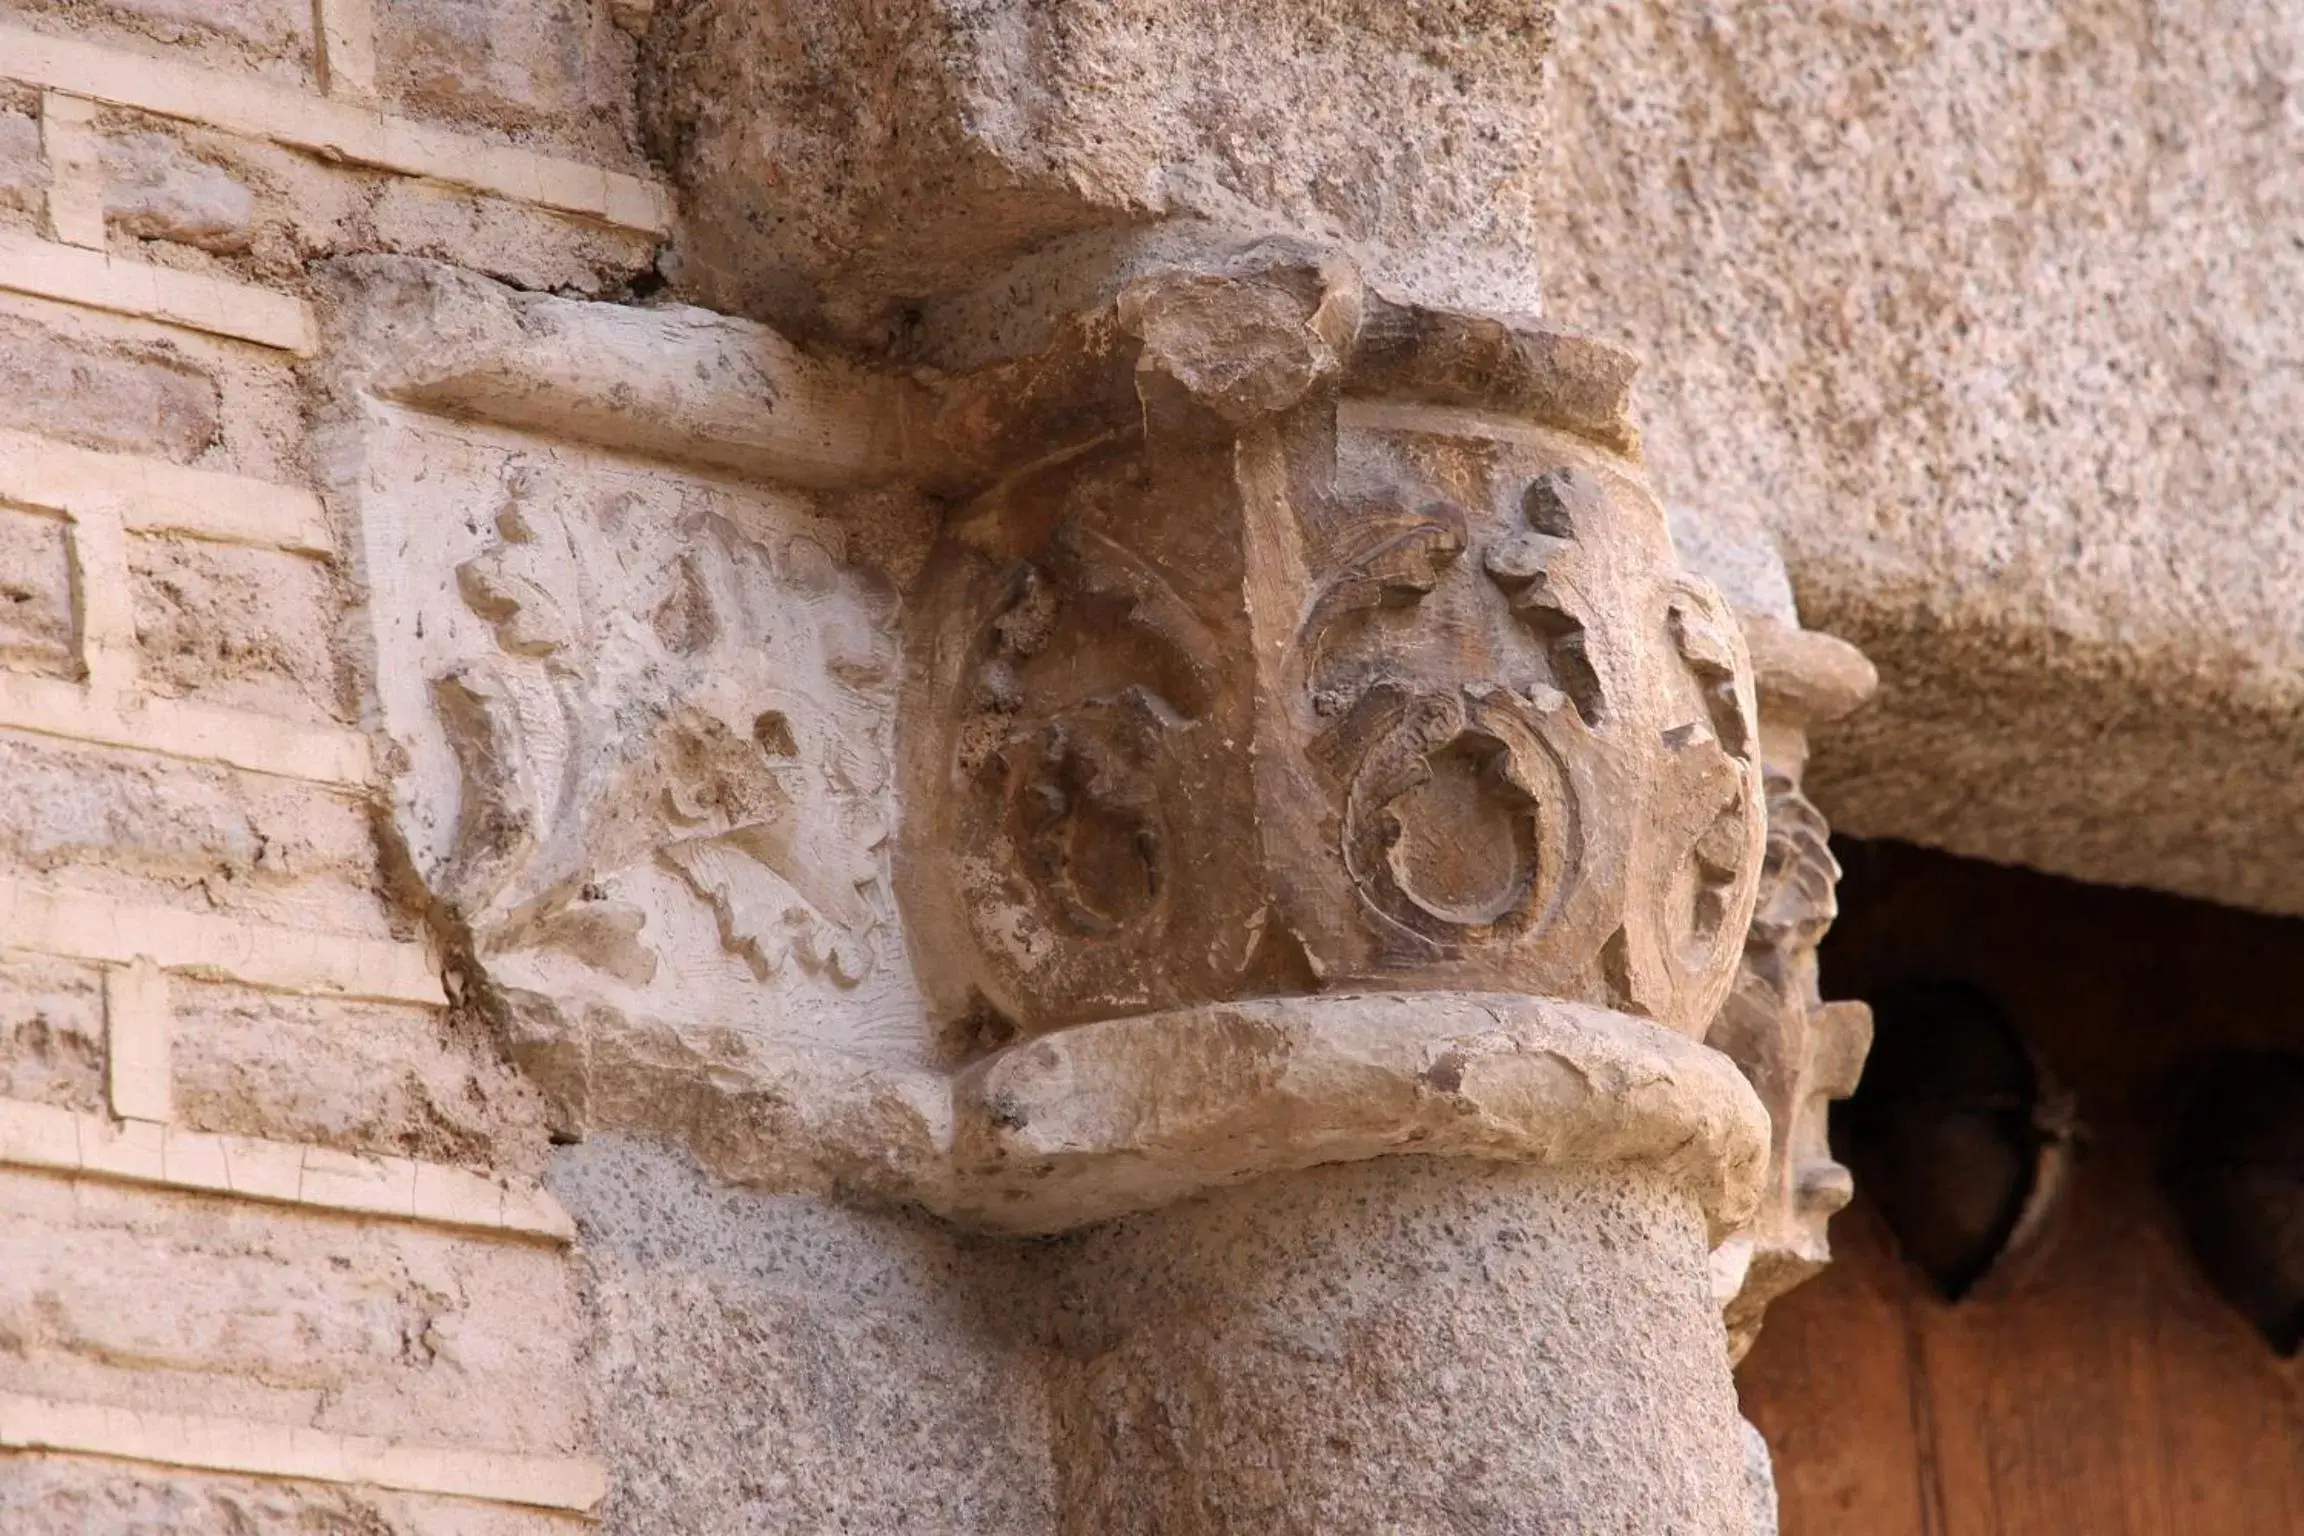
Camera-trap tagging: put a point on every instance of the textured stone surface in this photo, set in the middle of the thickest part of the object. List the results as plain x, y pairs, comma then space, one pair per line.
44, 1495
2022, 406
1799, 1052
1760, 1479
1986, 313
249, 628
1127, 1114
37, 625
141, 398
306, 1327
23, 170
268, 211
649, 722
51, 1031
153, 190
504, 239
1407, 1345
1172, 720
366, 1077
669, 382
1298, 640
259, 32
188, 835
779, 1363
195, 1304
1736, 553
148, 389
844, 162
557, 66
647, 715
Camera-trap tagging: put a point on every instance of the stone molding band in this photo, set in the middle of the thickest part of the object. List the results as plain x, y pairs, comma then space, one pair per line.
1107, 1119
50, 269
48, 1139
331, 129
212, 1444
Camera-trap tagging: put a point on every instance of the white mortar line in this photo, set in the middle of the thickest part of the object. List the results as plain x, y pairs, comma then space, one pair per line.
137, 1026
242, 311
155, 496
251, 1446
238, 738
347, 55
81, 926
103, 603
334, 129
47, 1139
75, 169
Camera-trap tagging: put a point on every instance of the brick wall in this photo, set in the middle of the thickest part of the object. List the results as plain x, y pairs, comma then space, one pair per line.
273, 1257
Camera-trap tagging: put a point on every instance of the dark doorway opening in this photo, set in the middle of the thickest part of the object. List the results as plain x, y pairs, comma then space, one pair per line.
2104, 1380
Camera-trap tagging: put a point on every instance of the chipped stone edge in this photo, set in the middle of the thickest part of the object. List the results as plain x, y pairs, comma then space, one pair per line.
671, 382
1106, 1119
250, 1446
332, 129
49, 1139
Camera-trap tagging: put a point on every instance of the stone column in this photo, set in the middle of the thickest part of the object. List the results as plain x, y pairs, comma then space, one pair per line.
1330, 815
1337, 817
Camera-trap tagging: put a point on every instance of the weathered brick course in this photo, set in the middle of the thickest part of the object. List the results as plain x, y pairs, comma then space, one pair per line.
51, 1031
155, 191
36, 623
271, 34
365, 1077
140, 397
241, 627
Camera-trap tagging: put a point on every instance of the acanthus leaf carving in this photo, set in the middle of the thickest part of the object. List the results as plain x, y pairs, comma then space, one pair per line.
1327, 664
1542, 570
634, 714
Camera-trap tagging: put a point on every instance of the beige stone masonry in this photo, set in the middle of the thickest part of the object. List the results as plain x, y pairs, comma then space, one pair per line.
106, 497
136, 1030
196, 732
84, 927
50, 270
292, 1451
53, 1140
347, 49
154, 496
103, 596
75, 169
333, 129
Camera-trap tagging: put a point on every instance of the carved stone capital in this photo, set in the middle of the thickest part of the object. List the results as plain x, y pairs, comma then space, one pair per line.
1799, 1051
1247, 787
1286, 640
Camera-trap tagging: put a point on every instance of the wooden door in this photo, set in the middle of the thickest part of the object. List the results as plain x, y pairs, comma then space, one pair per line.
2107, 1391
